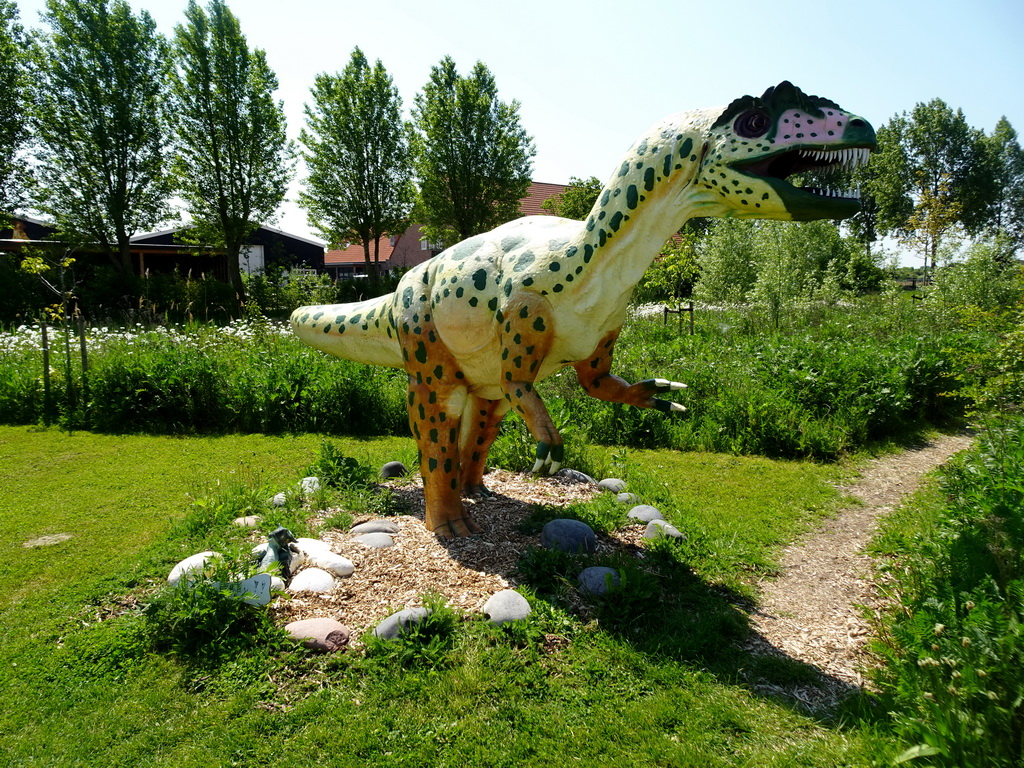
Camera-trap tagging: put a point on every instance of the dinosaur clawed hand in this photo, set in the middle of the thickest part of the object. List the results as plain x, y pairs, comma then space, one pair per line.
663, 385
549, 458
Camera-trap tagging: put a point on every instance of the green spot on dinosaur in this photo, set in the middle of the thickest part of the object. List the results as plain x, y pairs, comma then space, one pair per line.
327, 328
554, 266
538, 324
432, 463
438, 371
508, 287
447, 465
480, 279
473, 301
615, 221
421, 353
433, 435
558, 288
588, 253
624, 169
649, 179
493, 304
511, 243
524, 261
631, 197
524, 312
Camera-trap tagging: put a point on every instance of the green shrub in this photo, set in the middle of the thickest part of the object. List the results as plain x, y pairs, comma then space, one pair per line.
427, 643
954, 647
201, 619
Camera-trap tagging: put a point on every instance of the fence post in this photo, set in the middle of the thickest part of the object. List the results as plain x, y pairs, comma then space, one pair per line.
46, 373
85, 370
690, 310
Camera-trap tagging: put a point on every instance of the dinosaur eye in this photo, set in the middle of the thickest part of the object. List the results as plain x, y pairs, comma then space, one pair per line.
752, 124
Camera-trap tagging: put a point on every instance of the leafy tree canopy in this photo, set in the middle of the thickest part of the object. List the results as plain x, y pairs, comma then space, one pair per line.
13, 116
100, 121
577, 200
360, 171
472, 157
233, 159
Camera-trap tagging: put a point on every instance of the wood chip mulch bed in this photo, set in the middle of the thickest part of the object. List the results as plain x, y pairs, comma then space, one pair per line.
464, 571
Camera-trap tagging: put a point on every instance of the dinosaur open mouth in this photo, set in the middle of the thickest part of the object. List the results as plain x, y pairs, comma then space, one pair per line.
821, 171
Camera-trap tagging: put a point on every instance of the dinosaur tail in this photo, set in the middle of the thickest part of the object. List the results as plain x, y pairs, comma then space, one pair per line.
362, 331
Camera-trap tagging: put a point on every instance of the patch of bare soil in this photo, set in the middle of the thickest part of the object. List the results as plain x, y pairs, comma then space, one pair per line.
814, 611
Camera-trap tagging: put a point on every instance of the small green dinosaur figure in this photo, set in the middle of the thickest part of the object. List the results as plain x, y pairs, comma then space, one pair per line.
478, 325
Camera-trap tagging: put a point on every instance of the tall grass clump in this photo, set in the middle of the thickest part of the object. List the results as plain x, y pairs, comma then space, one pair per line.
954, 642
247, 376
812, 390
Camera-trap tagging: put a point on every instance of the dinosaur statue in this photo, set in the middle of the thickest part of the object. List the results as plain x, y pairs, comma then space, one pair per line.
477, 326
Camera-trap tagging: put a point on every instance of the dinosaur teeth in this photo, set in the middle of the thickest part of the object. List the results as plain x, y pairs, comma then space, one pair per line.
847, 159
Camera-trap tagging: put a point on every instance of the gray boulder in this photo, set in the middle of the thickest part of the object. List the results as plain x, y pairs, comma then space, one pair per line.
657, 529
597, 579
645, 513
612, 484
397, 623
394, 469
507, 605
567, 475
627, 498
326, 635
568, 536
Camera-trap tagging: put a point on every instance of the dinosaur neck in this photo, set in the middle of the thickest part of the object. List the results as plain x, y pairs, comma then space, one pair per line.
650, 196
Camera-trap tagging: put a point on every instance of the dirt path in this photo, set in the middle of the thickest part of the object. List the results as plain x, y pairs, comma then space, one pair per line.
812, 611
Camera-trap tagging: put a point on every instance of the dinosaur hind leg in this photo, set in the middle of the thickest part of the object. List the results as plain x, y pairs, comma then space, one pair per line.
435, 414
480, 422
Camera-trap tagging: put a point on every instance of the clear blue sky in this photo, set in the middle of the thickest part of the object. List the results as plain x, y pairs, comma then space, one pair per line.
592, 75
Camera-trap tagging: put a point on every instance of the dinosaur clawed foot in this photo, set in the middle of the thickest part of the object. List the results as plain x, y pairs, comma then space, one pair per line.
549, 458
663, 385
462, 526
480, 490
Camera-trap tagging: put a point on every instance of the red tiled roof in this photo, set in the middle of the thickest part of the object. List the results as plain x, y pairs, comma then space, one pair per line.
539, 192
354, 254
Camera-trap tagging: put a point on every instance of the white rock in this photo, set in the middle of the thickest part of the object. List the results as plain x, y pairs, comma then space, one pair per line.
276, 584
279, 500
312, 580
309, 546
334, 563
193, 563
249, 521
310, 485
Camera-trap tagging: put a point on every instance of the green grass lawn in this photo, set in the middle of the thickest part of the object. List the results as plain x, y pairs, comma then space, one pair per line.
82, 691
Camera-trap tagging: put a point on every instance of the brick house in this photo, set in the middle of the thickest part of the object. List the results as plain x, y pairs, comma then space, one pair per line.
410, 248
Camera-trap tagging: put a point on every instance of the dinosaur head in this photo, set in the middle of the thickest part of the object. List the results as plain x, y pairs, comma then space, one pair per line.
757, 144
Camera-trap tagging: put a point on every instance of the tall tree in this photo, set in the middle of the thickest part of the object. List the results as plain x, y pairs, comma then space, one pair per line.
885, 184
13, 110
1008, 169
359, 186
938, 174
232, 159
577, 200
472, 157
100, 120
